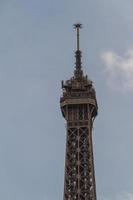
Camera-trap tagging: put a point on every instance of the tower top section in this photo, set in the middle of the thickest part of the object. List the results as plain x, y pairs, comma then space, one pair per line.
78, 86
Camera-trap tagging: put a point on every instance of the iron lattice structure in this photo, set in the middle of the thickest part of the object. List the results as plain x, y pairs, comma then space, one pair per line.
79, 108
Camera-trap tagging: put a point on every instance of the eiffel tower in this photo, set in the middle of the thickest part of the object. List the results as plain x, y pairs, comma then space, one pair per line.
79, 108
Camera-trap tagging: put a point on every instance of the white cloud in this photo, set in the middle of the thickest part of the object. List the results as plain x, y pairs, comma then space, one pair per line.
119, 70
123, 196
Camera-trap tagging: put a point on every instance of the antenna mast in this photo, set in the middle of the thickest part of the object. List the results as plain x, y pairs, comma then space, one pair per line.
78, 27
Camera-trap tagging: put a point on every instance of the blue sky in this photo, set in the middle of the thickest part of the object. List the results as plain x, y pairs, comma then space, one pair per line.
37, 44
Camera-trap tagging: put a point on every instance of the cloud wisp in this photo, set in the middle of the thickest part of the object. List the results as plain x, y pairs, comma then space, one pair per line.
123, 196
119, 70
126, 196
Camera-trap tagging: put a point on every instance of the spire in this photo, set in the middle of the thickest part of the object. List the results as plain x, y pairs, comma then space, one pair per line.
77, 27
78, 72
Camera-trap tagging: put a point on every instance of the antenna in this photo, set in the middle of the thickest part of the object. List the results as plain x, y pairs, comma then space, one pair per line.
78, 26
78, 72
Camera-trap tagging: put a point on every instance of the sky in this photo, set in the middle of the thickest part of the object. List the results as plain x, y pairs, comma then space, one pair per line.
37, 44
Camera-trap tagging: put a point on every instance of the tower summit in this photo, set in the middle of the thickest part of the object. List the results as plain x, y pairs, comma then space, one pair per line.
78, 71
77, 27
79, 108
